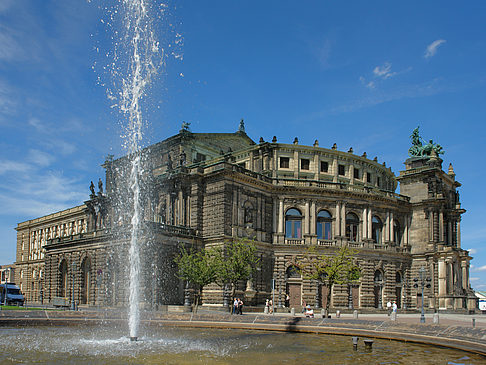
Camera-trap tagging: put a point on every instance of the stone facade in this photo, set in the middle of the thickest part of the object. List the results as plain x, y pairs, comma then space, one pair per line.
205, 189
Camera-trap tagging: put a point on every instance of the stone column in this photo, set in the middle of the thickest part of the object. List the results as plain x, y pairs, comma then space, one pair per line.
364, 235
317, 167
465, 279
386, 228
442, 278
306, 218
392, 228
459, 233
337, 222
369, 220
406, 232
280, 216
251, 167
343, 219
296, 164
313, 218
449, 228
441, 226
335, 170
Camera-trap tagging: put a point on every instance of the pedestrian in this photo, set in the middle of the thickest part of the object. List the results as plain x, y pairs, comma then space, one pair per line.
235, 306
270, 306
309, 312
287, 301
389, 307
394, 307
240, 306
304, 305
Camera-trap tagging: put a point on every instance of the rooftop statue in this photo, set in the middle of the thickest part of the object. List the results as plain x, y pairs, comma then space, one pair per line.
185, 127
420, 150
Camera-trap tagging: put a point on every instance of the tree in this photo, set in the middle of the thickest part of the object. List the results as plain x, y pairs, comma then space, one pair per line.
198, 268
338, 268
237, 261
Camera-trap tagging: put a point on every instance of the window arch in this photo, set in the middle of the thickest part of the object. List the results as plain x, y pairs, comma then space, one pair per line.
293, 272
324, 222
63, 284
376, 229
85, 280
293, 223
352, 223
397, 233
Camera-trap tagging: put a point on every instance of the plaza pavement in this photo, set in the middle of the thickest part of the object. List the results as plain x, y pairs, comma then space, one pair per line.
453, 330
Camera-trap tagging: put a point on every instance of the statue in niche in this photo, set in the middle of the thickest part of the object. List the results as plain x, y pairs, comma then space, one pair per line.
182, 158
420, 150
100, 186
92, 188
169, 162
248, 215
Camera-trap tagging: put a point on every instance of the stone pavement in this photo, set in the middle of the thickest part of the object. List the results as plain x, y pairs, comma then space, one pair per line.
453, 330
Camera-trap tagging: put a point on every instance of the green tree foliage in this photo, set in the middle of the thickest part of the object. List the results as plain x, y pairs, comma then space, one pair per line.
338, 268
199, 268
236, 262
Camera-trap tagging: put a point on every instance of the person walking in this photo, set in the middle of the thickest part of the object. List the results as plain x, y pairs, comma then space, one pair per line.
394, 307
389, 307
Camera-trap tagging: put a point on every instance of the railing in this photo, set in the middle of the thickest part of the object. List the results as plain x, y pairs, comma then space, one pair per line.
294, 241
327, 243
339, 186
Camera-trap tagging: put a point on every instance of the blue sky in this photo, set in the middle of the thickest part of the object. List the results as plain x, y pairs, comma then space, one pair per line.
359, 74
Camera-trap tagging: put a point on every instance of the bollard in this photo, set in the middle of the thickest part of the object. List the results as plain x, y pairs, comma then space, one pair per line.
436, 318
355, 314
368, 344
355, 343
292, 312
474, 322
338, 314
393, 316
323, 313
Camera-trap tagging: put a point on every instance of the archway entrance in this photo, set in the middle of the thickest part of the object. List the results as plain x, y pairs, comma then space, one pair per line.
294, 287
378, 289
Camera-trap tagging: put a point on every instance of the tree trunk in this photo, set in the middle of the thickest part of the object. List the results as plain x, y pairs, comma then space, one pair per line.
328, 302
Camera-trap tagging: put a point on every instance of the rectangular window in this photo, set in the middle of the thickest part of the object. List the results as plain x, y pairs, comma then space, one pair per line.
324, 166
341, 170
356, 173
378, 181
304, 164
368, 177
242, 164
199, 157
284, 162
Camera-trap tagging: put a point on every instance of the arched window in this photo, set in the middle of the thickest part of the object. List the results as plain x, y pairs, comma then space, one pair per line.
293, 223
352, 223
323, 228
397, 233
63, 284
378, 279
398, 277
85, 280
376, 229
293, 273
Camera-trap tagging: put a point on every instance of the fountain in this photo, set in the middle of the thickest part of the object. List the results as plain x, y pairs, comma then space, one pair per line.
141, 48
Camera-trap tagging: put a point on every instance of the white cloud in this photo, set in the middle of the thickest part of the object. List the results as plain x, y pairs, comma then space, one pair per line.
7, 102
472, 251
473, 279
384, 71
40, 158
432, 48
368, 84
13, 166
481, 268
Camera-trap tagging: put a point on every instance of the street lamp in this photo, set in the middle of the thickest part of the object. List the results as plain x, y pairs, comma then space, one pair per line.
73, 304
423, 282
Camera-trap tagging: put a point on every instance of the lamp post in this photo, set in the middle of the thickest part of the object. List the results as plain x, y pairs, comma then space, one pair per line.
73, 304
424, 282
